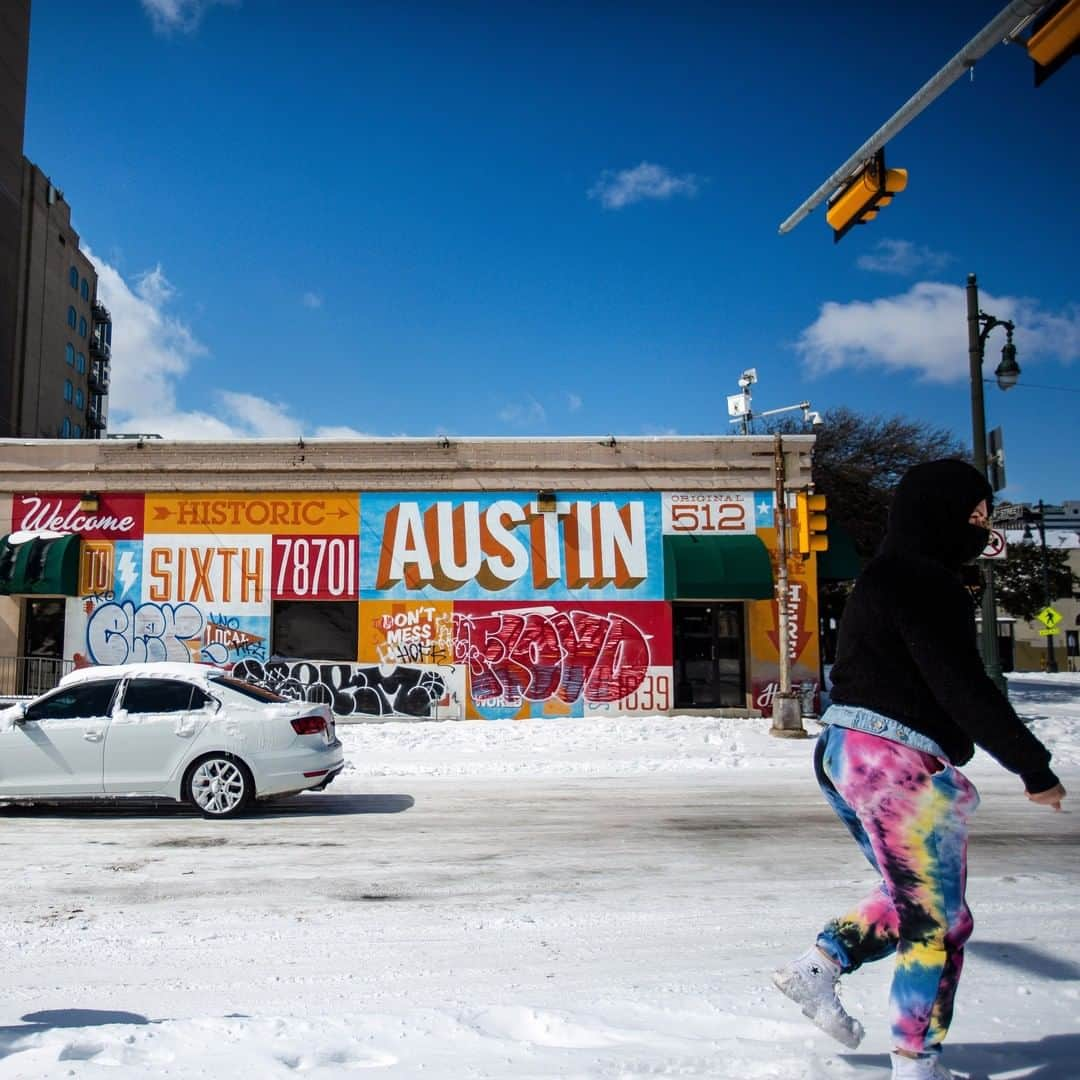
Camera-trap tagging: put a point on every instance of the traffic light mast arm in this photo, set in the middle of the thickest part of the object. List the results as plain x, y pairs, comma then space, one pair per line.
1003, 27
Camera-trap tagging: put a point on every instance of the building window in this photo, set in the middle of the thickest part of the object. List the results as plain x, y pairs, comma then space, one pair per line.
80, 365
73, 277
68, 389
77, 431
315, 629
82, 326
69, 354
84, 290
65, 429
79, 399
73, 318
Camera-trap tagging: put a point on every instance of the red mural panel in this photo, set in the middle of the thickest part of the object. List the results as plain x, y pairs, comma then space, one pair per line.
117, 517
315, 568
596, 650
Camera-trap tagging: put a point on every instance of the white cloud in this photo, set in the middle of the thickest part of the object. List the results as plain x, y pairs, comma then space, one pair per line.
528, 412
151, 348
341, 431
573, 402
311, 300
645, 181
168, 16
152, 353
925, 331
903, 257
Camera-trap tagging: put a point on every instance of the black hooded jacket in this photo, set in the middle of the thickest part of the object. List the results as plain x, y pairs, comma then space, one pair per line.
907, 638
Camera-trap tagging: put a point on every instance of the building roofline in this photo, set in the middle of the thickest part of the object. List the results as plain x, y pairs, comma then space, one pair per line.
585, 463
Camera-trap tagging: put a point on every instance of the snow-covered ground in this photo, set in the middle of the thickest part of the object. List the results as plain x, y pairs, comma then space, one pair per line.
566, 898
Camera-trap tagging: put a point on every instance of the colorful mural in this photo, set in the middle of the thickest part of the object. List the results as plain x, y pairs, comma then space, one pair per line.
466, 605
471, 547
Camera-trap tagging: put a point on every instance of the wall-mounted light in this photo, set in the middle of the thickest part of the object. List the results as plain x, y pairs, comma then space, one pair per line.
545, 500
88, 503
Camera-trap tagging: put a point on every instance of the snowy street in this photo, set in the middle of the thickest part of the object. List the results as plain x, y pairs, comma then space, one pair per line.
571, 898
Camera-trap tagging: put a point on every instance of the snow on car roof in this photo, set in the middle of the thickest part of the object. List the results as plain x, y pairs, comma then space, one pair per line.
164, 668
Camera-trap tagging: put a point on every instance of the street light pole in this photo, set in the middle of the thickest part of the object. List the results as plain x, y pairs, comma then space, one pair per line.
1051, 659
979, 326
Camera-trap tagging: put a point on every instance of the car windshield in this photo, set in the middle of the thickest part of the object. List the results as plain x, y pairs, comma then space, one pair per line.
250, 690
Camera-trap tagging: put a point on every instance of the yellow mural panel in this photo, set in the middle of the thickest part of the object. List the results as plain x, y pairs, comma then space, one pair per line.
267, 513
406, 632
96, 568
803, 636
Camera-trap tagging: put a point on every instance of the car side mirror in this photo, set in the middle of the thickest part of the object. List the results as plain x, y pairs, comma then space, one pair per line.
20, 715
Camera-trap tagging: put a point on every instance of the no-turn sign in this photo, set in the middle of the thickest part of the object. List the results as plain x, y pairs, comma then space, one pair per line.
995, 546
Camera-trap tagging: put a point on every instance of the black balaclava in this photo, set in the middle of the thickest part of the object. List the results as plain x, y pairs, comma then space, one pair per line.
930, 511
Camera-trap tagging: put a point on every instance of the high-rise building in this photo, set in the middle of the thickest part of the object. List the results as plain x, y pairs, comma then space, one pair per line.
14, 49
55, 337
62, 334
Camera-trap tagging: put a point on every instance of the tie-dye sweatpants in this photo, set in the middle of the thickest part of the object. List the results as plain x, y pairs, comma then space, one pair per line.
908, 811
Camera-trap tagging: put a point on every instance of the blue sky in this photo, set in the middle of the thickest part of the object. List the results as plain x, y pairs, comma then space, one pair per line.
404, 218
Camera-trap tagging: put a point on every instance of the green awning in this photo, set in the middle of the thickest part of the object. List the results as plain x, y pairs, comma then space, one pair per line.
841, 562
40, 566
698, 567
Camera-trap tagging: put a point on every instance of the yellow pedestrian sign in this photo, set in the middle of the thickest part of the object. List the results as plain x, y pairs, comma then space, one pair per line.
1049, 617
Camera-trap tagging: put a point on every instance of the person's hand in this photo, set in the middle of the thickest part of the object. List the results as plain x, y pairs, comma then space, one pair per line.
1050, 797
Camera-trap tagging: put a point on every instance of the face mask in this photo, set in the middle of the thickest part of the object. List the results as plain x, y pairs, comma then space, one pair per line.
976, 538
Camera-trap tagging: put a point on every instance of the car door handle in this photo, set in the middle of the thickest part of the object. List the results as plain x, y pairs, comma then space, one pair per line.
92, 736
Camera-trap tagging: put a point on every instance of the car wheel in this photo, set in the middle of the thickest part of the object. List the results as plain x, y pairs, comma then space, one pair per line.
219, 786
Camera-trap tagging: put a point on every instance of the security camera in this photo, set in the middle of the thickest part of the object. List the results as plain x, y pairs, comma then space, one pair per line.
815, 419
748, 378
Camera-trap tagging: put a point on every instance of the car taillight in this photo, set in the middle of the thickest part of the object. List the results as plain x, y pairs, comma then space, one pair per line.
308, 725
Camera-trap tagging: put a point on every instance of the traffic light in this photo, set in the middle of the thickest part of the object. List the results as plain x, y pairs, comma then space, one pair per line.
811, 522
1055, 37
859, 200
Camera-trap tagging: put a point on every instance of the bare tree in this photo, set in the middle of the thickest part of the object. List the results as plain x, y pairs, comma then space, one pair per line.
858, 461
1019, 579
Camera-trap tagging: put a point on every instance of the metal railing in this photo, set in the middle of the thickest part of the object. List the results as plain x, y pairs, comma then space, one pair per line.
28, 676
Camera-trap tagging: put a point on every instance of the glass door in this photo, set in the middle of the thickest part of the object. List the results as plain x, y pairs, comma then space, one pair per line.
710, 651
41, 663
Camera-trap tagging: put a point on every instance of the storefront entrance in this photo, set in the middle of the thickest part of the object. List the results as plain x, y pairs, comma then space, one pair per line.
41, 663
710, 655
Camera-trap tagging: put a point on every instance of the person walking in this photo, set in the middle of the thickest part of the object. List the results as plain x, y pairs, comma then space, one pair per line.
911, 700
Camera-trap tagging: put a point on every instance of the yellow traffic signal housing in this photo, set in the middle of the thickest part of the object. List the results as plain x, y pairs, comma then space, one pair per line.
811, 523
859, 200
1055, 37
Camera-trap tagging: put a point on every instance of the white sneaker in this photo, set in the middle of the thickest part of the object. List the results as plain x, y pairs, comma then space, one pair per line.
920, 1068
811, 982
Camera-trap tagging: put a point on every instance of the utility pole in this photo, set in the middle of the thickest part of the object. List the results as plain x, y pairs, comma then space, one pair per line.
786, 706
979, 326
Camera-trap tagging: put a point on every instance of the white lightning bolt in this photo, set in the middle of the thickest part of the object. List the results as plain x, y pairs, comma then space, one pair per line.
126, 570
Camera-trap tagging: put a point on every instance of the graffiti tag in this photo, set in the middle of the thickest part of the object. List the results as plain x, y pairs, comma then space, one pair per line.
350, 689
534, 656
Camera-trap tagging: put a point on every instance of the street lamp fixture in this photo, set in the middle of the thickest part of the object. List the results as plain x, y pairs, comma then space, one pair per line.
1008, 371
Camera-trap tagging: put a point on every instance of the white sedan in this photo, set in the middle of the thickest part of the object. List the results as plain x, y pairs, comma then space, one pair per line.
188, 732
